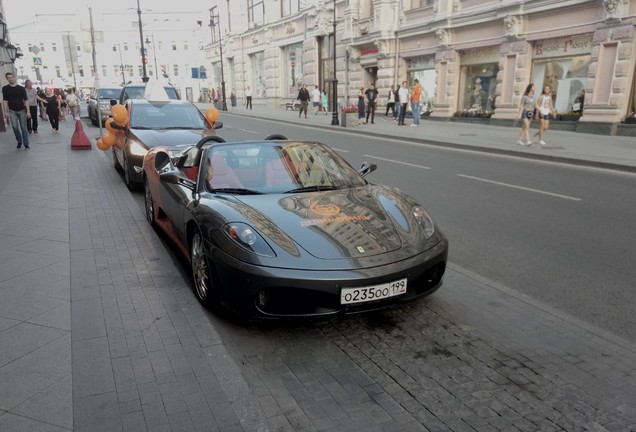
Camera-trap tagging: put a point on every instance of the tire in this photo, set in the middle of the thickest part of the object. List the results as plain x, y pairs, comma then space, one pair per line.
116, 163
203, 283
148, 204
275, 137
129, 184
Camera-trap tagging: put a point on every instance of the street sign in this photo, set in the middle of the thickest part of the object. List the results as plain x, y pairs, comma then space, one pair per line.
37, 61
145, 60
35, 50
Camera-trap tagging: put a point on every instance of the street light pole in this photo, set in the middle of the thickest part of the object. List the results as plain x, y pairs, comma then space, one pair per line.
334, 118
141, 41
154, 51
117, 47
218, 18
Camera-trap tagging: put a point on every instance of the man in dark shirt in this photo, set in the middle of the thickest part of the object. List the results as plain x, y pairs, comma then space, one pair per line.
303, 97
15, 103
372, 99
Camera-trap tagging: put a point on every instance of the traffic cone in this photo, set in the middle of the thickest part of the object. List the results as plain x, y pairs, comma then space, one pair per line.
79, 140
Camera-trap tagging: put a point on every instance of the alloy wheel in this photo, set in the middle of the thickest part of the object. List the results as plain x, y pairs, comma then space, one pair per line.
150, 208
200, 270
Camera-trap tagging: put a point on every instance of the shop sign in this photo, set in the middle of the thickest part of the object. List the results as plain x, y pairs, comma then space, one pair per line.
368, 51
480, 56
421, 62
567, 46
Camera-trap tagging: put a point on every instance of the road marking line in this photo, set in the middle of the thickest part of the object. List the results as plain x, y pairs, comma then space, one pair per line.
520, 187
397, 162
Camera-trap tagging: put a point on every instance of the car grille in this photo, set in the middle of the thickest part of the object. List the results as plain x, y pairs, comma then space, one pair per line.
295, 301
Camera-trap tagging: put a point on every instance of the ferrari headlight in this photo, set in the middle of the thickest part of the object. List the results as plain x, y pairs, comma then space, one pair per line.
137, 149
248, 238
424, 220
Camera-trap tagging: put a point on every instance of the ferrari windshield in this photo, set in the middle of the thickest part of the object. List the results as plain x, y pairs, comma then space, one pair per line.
277, 167
166, 115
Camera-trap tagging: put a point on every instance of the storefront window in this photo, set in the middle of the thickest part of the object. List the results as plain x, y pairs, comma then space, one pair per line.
257, 63
293, 68
479, 83
422, 68
565, 76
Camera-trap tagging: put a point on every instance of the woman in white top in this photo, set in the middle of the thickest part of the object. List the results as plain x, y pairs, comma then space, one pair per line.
544, 110
526, 111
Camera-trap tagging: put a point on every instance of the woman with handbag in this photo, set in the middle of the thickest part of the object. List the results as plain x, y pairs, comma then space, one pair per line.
526, 111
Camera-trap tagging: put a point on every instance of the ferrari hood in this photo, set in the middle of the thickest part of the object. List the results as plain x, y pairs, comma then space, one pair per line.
170, 138
346, 224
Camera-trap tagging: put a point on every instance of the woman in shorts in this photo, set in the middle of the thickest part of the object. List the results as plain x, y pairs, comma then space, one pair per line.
526, 111
544, 111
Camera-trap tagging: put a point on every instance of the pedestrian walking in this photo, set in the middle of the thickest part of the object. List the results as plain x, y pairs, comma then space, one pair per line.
53, 110
390, 103
233, 99
404, 100
544, 111
396, 98
248, 98
32, 96
361, 106
15, 104
372, 100
303, 97
41, 102
73, 103
324, 101
526, 111
315, 100
416, 99
62, 107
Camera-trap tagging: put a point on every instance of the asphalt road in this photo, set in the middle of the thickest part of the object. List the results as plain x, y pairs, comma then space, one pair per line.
560, 234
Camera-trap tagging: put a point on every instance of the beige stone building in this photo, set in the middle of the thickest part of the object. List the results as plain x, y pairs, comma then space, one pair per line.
473, 57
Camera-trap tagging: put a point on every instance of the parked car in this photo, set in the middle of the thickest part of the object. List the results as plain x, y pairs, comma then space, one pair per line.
99, 103
282, 229
167, 123
137, 91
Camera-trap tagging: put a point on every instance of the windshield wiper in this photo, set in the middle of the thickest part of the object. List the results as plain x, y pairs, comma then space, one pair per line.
236, 191
180, 127
314, 188
142, 127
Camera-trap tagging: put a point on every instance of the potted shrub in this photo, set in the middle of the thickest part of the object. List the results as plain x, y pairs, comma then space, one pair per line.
349, 115
570, 116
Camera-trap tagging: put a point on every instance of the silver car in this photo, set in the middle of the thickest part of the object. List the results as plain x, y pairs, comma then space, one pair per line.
99, 101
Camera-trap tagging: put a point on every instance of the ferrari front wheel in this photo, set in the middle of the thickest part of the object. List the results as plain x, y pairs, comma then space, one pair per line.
150, 207
203, 285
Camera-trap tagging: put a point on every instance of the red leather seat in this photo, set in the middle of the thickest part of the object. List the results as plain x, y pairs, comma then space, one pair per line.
223, 175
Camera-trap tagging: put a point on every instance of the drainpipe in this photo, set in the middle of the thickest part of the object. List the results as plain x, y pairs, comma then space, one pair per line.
397, 44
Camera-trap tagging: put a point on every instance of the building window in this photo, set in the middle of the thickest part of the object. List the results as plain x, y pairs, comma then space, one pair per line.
293, 71
42, 47
185, 45
131, 70
175, 69
81, 70
257, 68
78, 48
174, 46
289, 7
255, 12
105, 70
151, 70
125, 46
420, 3
58, 72
140, 70
54, 47
117, 69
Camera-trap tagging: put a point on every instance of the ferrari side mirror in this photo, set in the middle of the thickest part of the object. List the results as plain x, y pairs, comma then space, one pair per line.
367, 168
173, 177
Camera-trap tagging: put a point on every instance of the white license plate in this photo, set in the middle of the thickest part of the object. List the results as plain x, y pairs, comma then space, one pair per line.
371, 293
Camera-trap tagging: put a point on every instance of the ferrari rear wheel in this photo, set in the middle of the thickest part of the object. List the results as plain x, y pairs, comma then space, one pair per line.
129, 184
203, 285
150, 207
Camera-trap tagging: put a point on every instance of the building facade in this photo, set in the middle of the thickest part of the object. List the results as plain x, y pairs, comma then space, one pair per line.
473, 57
